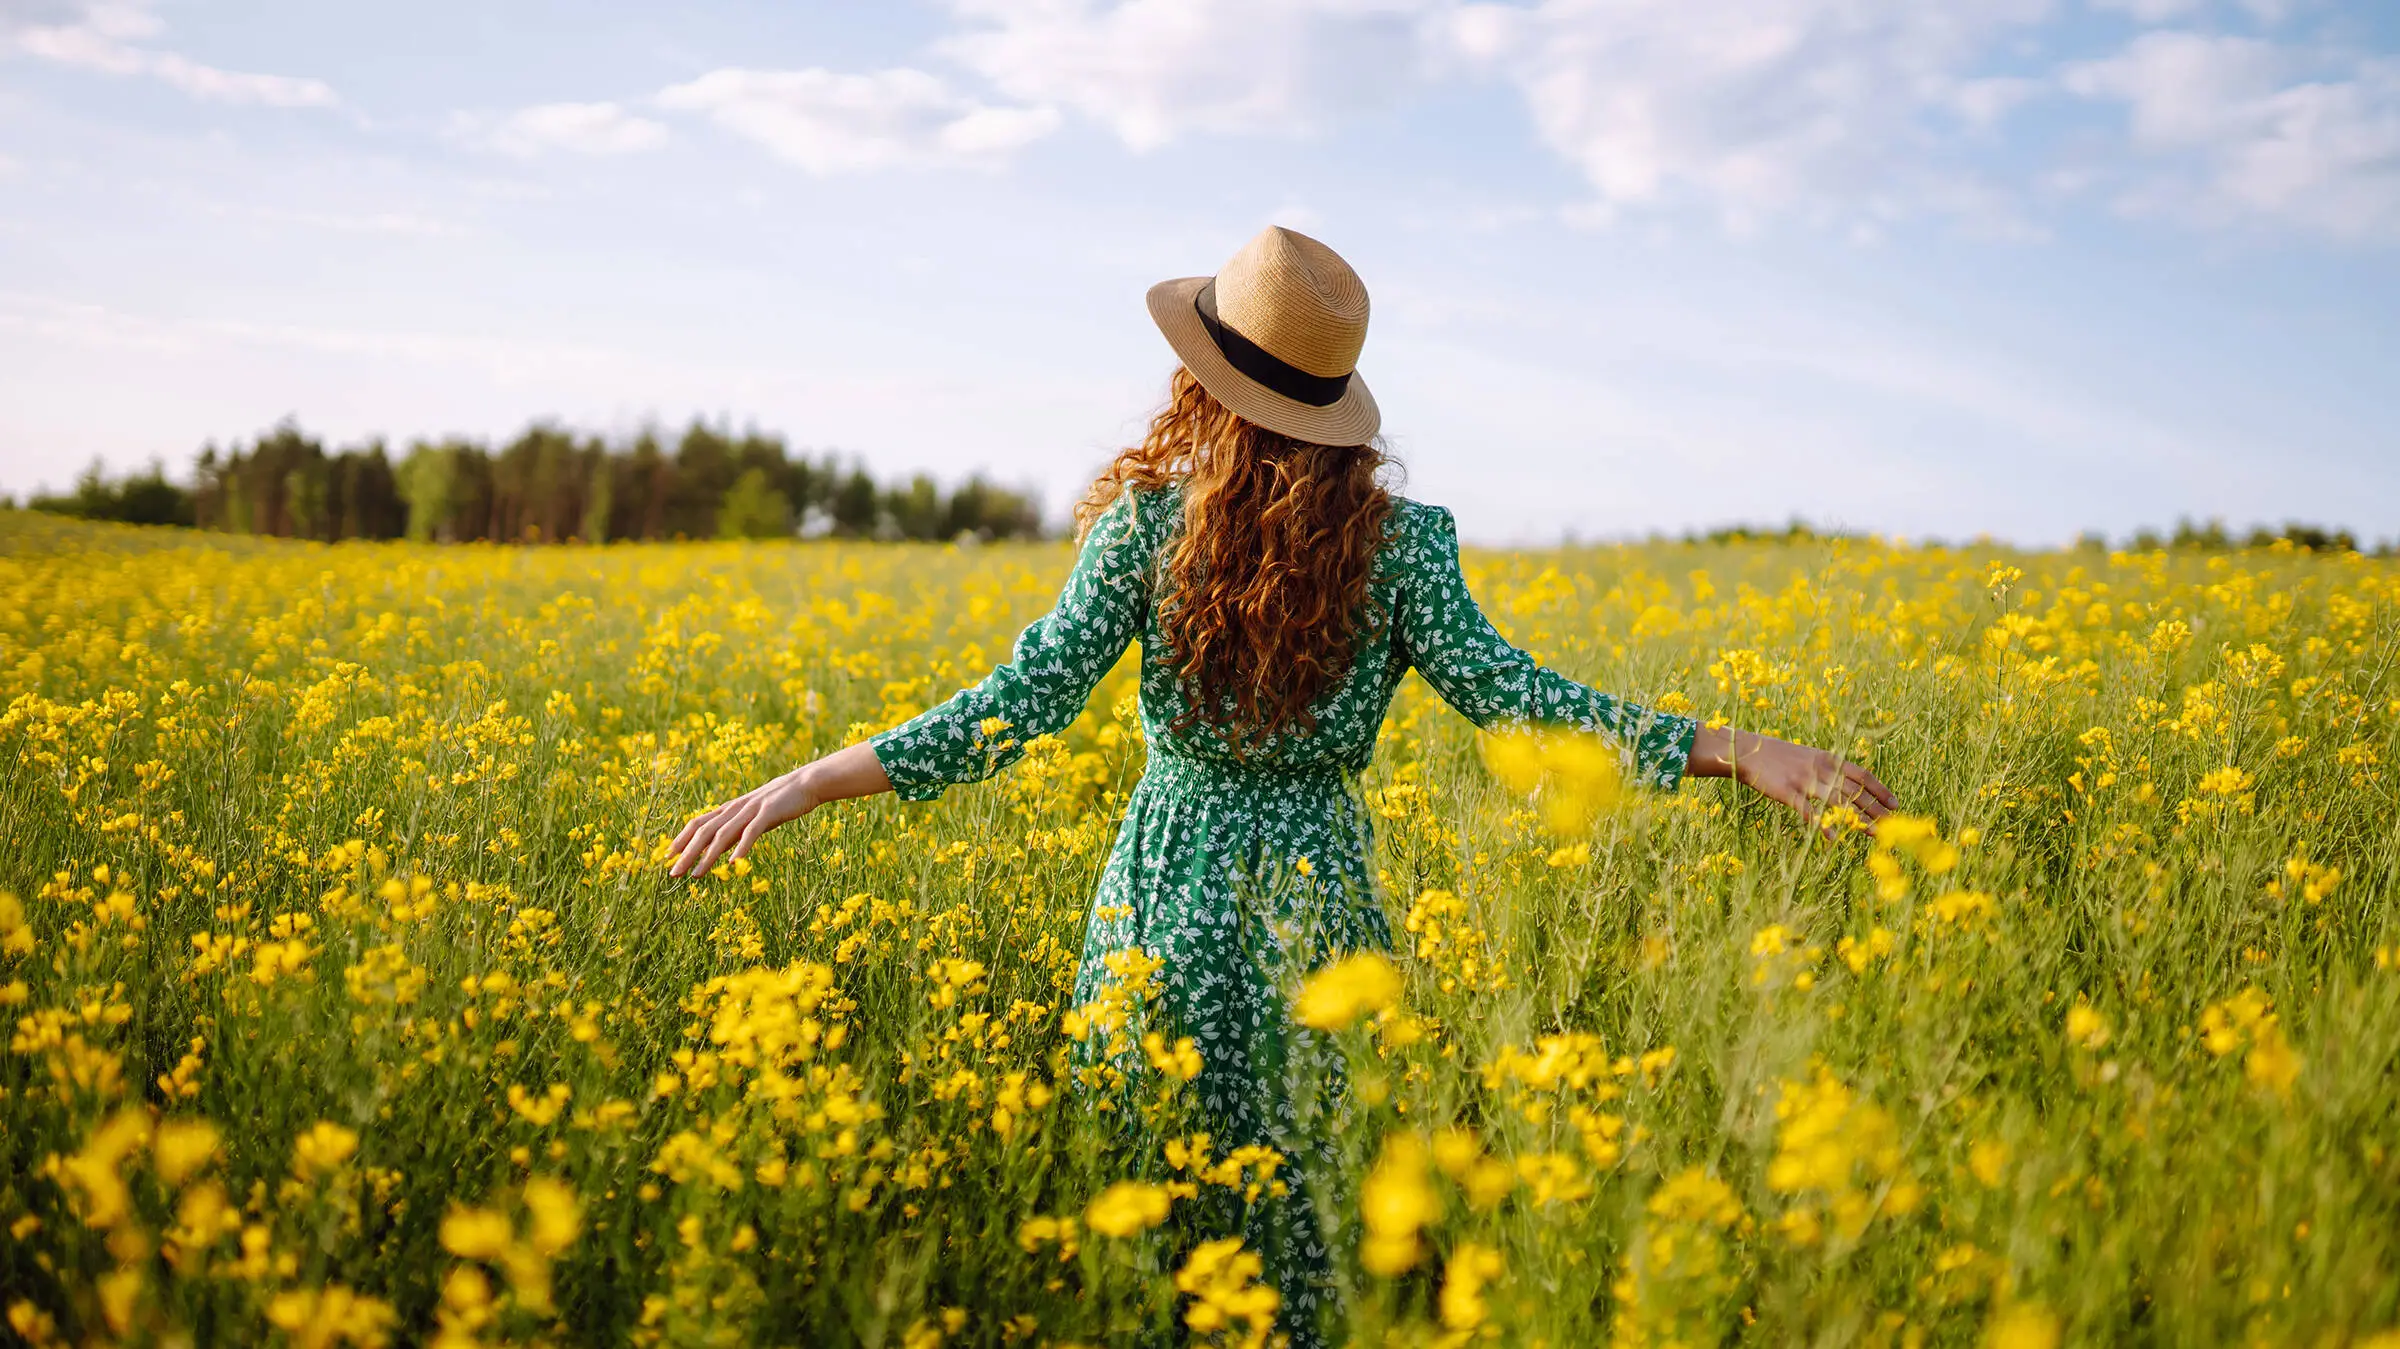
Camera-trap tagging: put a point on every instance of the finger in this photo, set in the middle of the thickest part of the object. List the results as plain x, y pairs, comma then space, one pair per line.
695, 837
759, 824
691, 827
696, 862
697, 847
1872, 785
724, 837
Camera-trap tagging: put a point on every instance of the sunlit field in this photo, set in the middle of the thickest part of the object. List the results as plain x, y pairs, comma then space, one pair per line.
349, 1002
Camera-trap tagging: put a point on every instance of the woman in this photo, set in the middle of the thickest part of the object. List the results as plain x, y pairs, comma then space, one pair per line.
1279, 594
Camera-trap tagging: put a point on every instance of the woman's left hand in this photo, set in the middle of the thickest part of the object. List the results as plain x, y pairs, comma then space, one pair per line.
728, 830
1813, 781
1809, 780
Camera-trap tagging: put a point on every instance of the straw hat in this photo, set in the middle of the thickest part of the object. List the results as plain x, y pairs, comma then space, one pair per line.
1275, 336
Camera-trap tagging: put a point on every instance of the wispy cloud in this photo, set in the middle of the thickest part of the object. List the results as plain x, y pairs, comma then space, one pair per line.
108, 328
2234, 129
1747, 108
1848, 113
828, 122
1154, 70
1755, 109
357, 222
109, 36
578, 128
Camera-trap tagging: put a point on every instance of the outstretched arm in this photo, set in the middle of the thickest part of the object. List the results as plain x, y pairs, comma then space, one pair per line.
979, 730
1494, 684
1491, 682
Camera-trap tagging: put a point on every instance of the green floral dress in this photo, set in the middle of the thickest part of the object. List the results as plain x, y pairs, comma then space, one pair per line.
1206, 873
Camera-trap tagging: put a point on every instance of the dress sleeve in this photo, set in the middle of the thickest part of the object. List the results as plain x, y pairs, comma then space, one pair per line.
1493, 684
1058, 661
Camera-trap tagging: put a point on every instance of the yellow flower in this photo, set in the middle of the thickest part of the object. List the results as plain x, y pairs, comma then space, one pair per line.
325, 1146
2022, 1325
1470, 1269
181, 1147
2086, 1027
1222, 1280
1395, 1203
2247, 1020
1349, 988
1126, 1208
1988, 1160
476, 1233
16, 936
1576, 775
320, 1317
556, 1218
1180, 1062
2271, 1062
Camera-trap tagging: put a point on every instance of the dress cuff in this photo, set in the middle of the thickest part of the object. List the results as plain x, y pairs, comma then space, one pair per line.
1665, 750
911, 779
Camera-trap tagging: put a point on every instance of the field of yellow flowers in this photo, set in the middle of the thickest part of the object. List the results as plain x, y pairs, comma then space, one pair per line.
348, 1001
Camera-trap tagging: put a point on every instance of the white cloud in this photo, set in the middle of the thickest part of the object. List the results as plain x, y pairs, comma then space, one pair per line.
827, 122
1152, 70
581, 128
1830, 109
2174, 11
402, 223
1751, 108
2241, 129
102, 38
2153, 11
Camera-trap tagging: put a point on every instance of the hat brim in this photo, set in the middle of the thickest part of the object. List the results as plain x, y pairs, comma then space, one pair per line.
1351, 419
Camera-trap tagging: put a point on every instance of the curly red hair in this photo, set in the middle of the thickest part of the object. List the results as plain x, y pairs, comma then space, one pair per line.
1269, 585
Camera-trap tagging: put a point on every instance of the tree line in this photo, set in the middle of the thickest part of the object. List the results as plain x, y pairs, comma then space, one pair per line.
2211, 536
548, 484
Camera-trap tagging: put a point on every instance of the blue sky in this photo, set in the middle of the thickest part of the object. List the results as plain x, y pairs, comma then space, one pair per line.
2023, 267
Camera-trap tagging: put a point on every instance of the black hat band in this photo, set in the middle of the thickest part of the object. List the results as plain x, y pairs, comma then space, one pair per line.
1263, 366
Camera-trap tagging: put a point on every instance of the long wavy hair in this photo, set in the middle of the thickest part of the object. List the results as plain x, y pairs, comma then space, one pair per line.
1268, 589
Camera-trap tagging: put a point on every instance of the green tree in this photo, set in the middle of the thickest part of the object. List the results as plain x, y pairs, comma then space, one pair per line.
855, 506
429, 483
916, 510
599, 500
753, 509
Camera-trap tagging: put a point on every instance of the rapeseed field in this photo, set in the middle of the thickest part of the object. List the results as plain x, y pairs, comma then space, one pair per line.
349, 1004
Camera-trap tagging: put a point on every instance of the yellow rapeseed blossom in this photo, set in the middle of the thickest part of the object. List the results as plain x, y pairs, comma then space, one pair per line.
1342, 992
318, 1318
1229, 1305
2086, 1028
1128, 1207
2021, 1325
1576, 776
181, 1147
1469, 1270
321, 1148
2247, 1022
1840, 1156
1396, 1202
476, 1233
